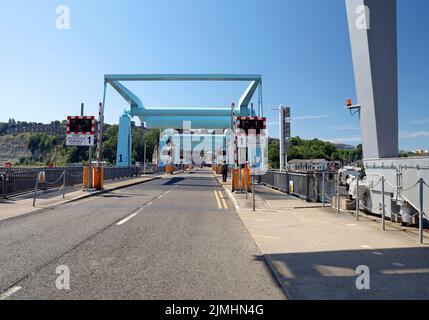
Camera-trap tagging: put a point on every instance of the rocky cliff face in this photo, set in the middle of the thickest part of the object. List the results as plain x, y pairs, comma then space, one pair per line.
12, 148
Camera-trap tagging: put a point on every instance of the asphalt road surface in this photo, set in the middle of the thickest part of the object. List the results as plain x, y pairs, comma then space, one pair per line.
172, 238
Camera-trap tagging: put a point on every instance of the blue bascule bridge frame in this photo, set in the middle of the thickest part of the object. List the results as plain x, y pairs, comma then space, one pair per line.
174, 118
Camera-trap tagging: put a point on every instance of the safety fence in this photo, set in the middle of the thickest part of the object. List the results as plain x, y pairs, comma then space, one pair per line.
324, 187
18, 181
318, 186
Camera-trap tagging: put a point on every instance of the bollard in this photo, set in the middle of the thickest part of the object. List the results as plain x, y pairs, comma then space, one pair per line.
240, 180
35, 189
421, 211
253, 193
235, 174
246, 183
383, 209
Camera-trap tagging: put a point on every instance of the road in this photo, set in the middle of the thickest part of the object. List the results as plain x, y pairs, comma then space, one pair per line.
172, 238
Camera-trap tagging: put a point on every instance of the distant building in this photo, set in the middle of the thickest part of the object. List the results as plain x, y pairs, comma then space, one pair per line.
342, 146
55, 128
421, 152
313, 165
308, 165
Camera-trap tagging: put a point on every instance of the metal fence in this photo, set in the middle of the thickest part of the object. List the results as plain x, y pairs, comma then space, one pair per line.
19, 181
111, 173
319, 186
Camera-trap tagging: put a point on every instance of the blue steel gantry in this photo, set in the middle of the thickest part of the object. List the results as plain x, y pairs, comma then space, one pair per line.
165, 118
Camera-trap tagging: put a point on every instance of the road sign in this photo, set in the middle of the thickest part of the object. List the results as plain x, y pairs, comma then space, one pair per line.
80, 140
80, 125
252, 123
80, 131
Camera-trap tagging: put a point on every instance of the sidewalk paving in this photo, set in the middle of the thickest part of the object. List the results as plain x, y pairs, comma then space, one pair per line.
11, 208
314, 252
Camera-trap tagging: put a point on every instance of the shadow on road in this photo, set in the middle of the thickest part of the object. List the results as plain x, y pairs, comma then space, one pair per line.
399, 273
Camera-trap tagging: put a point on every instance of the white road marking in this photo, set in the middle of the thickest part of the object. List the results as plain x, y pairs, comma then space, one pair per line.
167, 192
9, 292
141, 209
217, 200
365, 246
129, 217
378, 253
406, 271
223, 200
398, 264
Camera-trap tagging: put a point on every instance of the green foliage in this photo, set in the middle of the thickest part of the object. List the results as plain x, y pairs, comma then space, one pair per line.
406, 154
312, 149
139, 137
40, 144
110, 141
274, 153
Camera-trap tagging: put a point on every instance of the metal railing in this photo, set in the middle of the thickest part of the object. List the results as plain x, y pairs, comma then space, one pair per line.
318, 186
19, 181
324, 186
111, 173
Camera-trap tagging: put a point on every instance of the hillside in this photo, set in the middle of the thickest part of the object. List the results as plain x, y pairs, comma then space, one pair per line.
30, 149
34, 149
13, 147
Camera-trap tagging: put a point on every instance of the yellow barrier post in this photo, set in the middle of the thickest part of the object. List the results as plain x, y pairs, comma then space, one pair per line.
98, 178
85, 177
235, 173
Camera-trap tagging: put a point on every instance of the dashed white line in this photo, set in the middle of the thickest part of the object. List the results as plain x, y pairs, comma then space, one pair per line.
141, 209
9, 292
129, 217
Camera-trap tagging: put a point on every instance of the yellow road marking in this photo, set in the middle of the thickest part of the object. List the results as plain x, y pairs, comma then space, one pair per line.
223, 199
217, 199
406, 271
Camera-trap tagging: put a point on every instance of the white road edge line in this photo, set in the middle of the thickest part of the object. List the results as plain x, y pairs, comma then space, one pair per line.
9, 292
217, 200
233, 200
129, 217
150, 203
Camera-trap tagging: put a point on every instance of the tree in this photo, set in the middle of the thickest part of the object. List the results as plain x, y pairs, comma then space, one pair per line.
274, 153
311, 149
110, 142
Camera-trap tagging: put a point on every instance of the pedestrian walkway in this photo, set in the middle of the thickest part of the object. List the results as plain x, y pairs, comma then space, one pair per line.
315, 253
11, 208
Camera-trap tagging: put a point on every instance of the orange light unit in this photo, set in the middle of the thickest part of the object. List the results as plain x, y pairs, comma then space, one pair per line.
349, 102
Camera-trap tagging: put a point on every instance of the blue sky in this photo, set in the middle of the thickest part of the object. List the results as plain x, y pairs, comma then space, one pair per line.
301, 47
